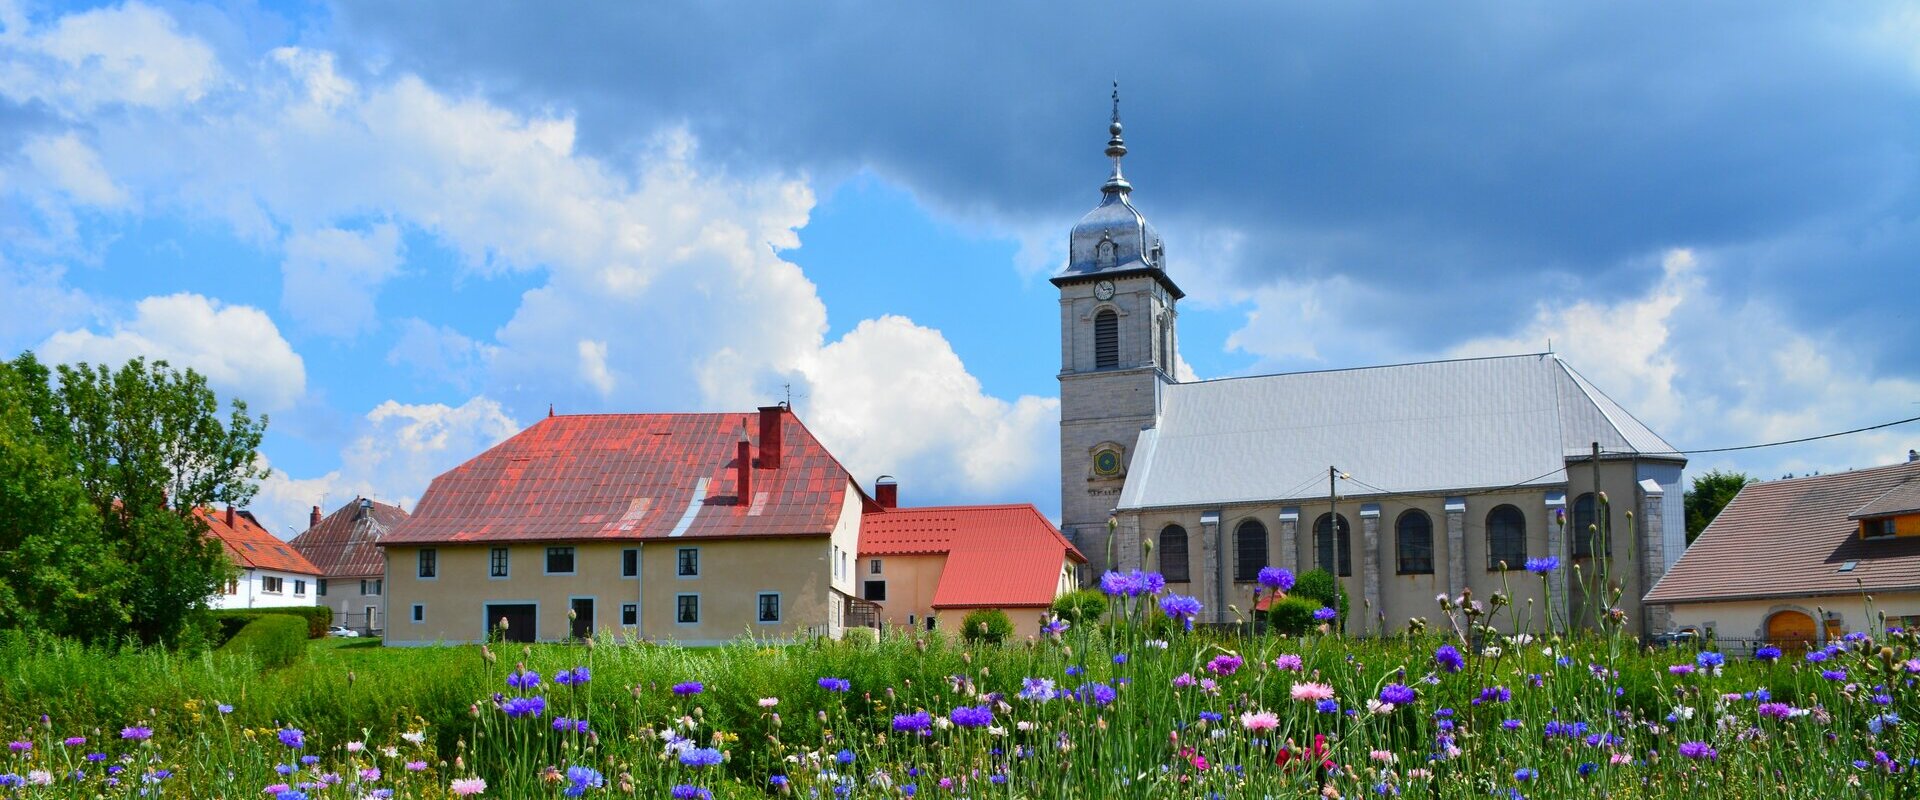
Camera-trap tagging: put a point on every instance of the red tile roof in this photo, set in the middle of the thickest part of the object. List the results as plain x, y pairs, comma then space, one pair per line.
1006, 556
251, 546
1790, 538
346, 543
630, 476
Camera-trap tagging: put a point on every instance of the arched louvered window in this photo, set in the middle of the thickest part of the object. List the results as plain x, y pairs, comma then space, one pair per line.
1166, 346
1106, 339
1249, 551
1586, 540
1330, 551
1413, 538
1173, 554
1506, 538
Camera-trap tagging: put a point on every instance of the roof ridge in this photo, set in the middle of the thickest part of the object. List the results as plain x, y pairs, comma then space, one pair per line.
1328, 370
1589, 389
1798, 478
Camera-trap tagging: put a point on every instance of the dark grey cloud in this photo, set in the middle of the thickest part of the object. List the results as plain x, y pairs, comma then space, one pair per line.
1472, 162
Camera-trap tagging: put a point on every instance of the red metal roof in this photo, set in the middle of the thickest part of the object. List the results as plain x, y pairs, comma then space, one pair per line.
250, 545
346, 543
997, 556
1792, 538
630, 476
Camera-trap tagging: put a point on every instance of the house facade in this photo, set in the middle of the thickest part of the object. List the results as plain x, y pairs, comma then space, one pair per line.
1407, 480
270, 573
928, 567
689, 528
1803, 561
345, 546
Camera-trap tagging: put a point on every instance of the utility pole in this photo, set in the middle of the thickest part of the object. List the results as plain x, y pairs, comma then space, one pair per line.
1333, 521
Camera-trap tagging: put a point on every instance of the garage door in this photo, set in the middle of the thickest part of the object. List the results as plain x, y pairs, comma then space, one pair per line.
520, 619
1790, 630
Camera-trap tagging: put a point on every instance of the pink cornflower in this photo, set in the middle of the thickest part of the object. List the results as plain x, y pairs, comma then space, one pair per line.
1258, 721
468, 787
1313, 692
769, 702
416, 766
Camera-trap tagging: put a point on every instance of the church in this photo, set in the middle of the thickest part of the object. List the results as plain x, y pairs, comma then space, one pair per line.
1407, 481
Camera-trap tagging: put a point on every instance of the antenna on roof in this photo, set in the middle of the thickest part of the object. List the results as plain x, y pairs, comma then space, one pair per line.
788, 388
1549, 345
549, 409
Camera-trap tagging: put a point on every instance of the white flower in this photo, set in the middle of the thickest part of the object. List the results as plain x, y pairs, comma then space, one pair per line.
1377, 707
390, 751
1024, 725
1684, 712
355, 747
415, 737
1157, 644
1546, 651
942, 723
1522, 639
1490, 652
40, 777
996, 730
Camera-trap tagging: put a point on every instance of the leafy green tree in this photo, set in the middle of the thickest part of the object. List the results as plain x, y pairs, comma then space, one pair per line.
1710, 493
1319, 584
1081, 606
987, 626
144, 445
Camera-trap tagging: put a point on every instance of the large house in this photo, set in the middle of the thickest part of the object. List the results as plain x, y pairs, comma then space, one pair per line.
1804, 560
693, 528
345, 546
270, 573
1408, 481
929, 567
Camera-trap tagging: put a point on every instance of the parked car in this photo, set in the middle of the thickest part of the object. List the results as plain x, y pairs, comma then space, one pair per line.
1673, 639
343, 632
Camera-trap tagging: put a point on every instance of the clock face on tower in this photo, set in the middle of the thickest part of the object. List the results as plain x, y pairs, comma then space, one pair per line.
1103, 290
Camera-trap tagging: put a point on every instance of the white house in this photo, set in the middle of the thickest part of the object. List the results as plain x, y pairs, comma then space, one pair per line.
272, 573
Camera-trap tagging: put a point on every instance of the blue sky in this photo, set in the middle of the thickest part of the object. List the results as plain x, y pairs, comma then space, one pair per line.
403, 230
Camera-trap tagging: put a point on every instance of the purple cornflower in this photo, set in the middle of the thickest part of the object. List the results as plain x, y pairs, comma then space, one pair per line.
700, 757
572, 677
691, 792
836, 684
1494, 694
1544, 565
1181, 607
1834, 674
916, 722
1681, 669
1524, 774
1698, 751
74, 741
20, 747
524, 706
1325, 614
1448, 658
137, 733
972, 716
1571, 730
1225, 664
527, 679
1775, 710
689, 688
293, 737
1277, 579
1098, 694
1397, 694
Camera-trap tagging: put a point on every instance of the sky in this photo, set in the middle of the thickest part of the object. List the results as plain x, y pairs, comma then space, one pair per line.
404, 231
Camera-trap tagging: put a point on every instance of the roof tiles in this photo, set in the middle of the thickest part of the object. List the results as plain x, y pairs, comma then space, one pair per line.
997, 556
346, 543
250, 545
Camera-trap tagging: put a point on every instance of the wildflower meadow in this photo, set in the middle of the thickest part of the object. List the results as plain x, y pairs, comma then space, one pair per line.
1138, 705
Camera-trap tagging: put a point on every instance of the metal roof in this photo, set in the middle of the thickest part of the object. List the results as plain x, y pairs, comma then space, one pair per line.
346, 544
1004, 556
251, 545
1430, 427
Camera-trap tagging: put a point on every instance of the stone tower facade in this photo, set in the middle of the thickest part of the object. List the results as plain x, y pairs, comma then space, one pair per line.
1118, 346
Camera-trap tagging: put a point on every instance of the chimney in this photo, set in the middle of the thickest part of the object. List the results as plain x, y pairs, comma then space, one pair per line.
743, 467
229, 515
1913, 455
770, 430
886, 492
313, 517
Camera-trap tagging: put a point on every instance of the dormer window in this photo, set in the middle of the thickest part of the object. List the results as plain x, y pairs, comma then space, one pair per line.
1883, 528
1104, 252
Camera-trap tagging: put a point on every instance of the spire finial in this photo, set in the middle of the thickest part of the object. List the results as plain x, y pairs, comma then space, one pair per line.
1116, 148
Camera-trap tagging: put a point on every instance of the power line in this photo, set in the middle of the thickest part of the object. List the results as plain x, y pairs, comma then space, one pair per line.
1788, 441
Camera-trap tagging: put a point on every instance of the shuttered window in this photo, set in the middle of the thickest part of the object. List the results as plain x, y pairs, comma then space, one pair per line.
1173, 554
1106, 340
1249, 551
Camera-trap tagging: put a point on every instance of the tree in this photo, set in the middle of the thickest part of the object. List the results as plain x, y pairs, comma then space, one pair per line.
1710, 493
144, 446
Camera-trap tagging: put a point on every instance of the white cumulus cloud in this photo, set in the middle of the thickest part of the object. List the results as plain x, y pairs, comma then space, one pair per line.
238, 348
131, 53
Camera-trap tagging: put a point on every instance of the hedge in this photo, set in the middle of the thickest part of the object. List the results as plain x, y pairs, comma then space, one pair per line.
231, 620
987, 625
276, 640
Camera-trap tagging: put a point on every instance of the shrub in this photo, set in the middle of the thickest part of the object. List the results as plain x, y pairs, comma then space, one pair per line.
318, 619
1082, 606
275, 640
1293, 614
987, 625
1320, 585
860, 636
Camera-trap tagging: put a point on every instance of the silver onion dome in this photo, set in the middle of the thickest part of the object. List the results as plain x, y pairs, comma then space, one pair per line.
1114, 236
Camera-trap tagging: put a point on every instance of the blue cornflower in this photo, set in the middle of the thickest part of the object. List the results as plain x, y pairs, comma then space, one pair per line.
524, 706
1767, 653
700, 757
1277, 579
916, 722
572, 677
1448, 658
690, 792
1211, 716
524, 679
1327, 707
1040, 689
1525, 774
290, 794
1098, 694
689, 688
972, 716
1325, 614
1119, 658
1543, 565
1397, 694
845, 756
1181, 607
836, 684
1710, 660
293, 737
580, 779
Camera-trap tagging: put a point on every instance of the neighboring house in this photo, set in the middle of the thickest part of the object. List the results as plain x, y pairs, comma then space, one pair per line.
345, 545
929, 567
1409, 480
1804, 560
272, 573
682, 527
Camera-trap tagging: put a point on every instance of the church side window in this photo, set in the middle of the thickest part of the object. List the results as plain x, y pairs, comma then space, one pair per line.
1413, 538
1166, 346
1506, 538
1249, 551
1586, 540
1106, 339
1327, 551
1173, 554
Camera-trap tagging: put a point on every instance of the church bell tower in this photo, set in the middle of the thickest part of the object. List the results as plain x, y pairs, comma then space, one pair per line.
1117, 348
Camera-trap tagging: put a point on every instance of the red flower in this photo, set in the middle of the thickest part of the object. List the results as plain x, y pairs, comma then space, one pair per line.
1285, 757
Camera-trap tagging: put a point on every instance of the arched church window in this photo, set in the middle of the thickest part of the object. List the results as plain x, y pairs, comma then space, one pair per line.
1330, 552
1173, 554
1586, 540
1413, 539
1506, 538
1249, 551
1106, 339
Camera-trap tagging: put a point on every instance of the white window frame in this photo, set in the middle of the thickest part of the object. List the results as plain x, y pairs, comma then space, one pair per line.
636, 563
509, 564
546, 560
278, 582
696, 609
873, 567
299, 587
676, 565
419, 614
779, 607
419, 560
626, 607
